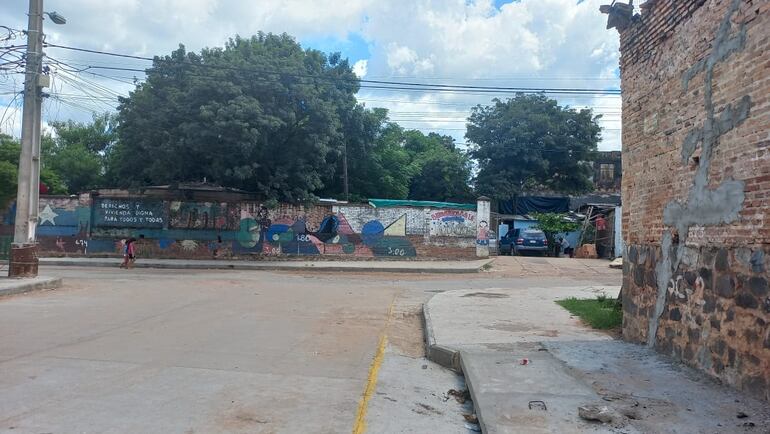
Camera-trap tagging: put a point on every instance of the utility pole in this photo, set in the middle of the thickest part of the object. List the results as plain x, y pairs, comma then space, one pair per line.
24, 260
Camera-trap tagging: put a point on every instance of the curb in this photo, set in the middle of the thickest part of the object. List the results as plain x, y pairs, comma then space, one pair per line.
440, 354
38, 285
476, 408
263, 267
450, 359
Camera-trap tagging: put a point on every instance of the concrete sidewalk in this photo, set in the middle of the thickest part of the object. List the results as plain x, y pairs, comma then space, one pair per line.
9, 286
529, 365
338, 266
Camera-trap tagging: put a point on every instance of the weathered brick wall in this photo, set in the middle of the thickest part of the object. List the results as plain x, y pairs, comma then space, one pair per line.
196, 229
696, 185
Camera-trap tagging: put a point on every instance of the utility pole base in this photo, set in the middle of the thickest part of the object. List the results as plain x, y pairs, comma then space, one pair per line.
23, 261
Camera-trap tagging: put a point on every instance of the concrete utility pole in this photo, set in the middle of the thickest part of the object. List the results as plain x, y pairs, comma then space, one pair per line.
24, 260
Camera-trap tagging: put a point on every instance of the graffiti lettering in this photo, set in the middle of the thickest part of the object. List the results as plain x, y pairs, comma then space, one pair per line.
190, 228
128, 212
453, 223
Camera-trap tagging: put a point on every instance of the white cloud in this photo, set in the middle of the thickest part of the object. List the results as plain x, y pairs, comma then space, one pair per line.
527, 43
360, 68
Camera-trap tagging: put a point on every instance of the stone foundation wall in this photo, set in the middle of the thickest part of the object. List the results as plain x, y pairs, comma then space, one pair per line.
696, 185
716, 312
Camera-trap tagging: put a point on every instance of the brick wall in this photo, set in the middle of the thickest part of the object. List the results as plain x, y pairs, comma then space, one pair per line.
696, 185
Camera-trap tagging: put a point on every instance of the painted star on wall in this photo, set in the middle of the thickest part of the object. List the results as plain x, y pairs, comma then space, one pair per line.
47, 215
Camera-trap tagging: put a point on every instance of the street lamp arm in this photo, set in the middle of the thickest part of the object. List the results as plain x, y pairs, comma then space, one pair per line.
56, 17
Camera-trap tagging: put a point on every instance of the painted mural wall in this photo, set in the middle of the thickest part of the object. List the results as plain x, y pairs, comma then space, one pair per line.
187, 229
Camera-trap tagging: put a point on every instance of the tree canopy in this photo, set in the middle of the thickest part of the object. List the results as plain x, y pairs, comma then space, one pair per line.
260, 114
530, 144
78, 152
385, 160
264, 115
10, 150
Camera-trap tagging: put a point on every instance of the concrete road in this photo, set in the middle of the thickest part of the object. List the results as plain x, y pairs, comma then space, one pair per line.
165, 352
161, 351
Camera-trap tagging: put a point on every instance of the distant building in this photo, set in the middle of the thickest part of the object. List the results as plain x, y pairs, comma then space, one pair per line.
608, 172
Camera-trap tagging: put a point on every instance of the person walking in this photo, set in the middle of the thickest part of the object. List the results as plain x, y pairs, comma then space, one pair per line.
129, 253
565, 247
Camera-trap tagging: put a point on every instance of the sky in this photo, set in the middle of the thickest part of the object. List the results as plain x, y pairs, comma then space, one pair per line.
526, 43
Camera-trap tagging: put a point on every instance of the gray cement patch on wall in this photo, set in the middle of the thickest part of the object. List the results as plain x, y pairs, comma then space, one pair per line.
704, 206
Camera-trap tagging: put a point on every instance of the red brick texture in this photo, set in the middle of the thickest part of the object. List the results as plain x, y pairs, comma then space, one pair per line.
693, 67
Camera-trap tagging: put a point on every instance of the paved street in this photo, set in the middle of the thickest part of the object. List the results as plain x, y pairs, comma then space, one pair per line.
235, 351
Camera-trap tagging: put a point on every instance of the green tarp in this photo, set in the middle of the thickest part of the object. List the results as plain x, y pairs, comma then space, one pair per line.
383, 203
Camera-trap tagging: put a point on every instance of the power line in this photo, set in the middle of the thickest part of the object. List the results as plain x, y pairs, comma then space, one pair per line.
375, 84
2, 118
424, 88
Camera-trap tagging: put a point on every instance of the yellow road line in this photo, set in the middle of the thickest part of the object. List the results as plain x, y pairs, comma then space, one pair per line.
359, 427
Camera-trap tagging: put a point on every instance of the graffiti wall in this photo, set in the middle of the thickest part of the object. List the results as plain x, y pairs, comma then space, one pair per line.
193, 229
453, 223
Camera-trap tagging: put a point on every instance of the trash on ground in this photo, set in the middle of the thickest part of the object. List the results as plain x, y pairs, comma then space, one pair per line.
472, 418
460, 395
602, 413
473, 427
537, 405
524, 362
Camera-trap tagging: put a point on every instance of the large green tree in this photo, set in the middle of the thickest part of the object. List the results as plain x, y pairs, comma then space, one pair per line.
529, 143
78, 151
387, 161
10, 151
377, 163
443, 171
260, 114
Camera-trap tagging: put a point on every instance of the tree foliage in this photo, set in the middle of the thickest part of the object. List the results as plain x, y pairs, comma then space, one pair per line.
77, 152
529, 143
385, 160
260, 114
10, 151
9, 162
444, 171
552, 224
264, 115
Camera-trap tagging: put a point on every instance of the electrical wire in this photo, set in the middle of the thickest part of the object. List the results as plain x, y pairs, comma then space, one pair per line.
375, 84
5, 112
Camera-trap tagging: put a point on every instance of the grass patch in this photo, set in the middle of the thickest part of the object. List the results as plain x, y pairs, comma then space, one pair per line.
600, 313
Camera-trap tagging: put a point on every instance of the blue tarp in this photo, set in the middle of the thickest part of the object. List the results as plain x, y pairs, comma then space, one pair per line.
528, 204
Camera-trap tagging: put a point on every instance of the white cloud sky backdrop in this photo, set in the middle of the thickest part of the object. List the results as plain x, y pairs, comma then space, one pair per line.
528, 43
